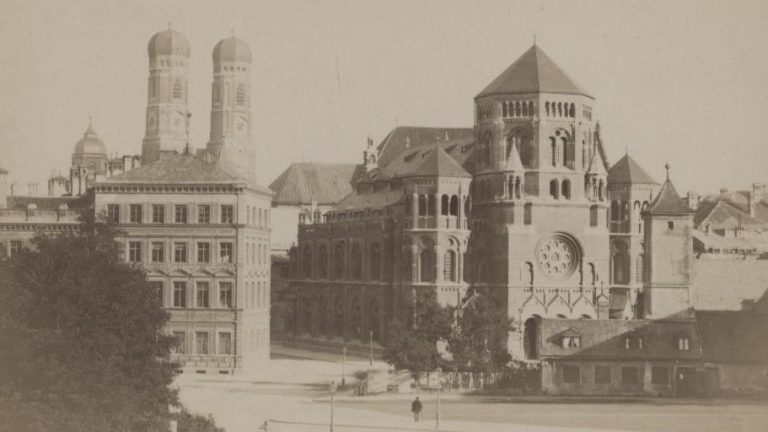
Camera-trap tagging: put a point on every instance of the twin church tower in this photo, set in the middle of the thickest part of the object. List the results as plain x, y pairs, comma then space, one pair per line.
167, 121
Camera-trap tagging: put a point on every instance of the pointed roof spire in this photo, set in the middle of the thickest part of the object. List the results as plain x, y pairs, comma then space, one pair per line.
668, 201
627, 171
90, 131
439, 163
596, 163
533, 72
513, 161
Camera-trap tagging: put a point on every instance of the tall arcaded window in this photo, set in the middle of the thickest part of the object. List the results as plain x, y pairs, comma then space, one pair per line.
178, 90
449, 266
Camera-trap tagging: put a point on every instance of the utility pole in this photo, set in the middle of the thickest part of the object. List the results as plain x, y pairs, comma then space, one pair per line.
370, 343
437, 416
343, 364
333, 391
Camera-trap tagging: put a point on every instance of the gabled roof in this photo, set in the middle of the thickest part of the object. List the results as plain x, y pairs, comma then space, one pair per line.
533, 72
174, 168
668, 202
410, 159
627, 171
438, 163
597, 163
17, 202
733, 336
409, 137
305, 182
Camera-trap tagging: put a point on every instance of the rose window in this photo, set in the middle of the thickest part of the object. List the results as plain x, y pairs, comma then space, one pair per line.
557, 256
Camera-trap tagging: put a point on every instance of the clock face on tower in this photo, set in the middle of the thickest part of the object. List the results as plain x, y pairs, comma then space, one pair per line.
558, 255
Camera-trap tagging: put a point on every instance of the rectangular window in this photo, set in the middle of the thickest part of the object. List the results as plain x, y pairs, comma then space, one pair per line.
158, 252
203, 295
201, 341
225, 295
227, 214
134, 251
527, 214
683, 344
225, 252
629, 375
180, 252
113, 213
158, 213
135, 213
180, 214
157, 288
225, 343
15, 247
180, 342
179, 294
602, 374
203, 252
571, 374
204, 214
659, 375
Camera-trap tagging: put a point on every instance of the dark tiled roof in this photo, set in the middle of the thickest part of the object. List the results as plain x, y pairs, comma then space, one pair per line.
733, 336
733, 204
668, 202
626, 170
533, 72
408, 137
438, 163
373, 200
15, 202
174, 168
411, 159
605, 339
724, 215
325, 183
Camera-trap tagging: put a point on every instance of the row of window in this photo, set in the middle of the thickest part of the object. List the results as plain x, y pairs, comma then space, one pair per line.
202, 343
256, 294
338, 270
180, 252
256, 253
517, 109
180, 213
426, 205
630, 375
203, 296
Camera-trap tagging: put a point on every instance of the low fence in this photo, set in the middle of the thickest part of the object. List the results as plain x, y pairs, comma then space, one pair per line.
523, 379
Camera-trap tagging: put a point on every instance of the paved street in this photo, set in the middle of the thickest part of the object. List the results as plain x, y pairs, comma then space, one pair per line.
295, 389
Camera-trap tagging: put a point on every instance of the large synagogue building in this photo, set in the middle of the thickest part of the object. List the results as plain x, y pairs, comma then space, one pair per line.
522, 207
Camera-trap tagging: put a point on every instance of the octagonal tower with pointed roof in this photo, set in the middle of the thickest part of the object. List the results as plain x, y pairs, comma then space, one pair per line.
167, 99
539, 195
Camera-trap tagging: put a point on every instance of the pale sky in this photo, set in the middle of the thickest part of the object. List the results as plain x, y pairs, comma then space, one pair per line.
678, 81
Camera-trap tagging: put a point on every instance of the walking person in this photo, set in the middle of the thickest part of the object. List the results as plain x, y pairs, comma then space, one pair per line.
416, 409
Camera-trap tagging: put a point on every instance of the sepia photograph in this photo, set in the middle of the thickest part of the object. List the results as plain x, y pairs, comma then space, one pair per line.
392, 216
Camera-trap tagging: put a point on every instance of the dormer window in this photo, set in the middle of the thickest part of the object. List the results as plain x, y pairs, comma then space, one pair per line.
633, 343
683, 343
570, 339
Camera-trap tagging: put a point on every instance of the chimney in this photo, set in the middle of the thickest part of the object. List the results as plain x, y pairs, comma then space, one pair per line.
3, 188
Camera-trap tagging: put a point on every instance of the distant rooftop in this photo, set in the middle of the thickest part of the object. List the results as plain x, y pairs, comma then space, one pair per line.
305, 182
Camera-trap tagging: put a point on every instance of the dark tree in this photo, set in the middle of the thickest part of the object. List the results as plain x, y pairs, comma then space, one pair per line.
478, 340
413, 345
81, 336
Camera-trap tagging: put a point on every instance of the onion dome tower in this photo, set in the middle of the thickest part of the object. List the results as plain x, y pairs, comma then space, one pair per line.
230, 139
167, 104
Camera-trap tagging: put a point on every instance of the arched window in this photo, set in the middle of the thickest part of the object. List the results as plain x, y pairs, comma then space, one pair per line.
566, 152
553, 150
444, 204
432, 207
600, 190
322, 261
240, 95
615, 212
572, 111
518, 187
422, 205
338, 261
178, 90
454, 207
620, 263
554, 189
504, 109
467, 206
530, 339
357, 261
427, 265
593, 216
307, 261
528, 214
528, 274
449, 266
525, 109
566, 187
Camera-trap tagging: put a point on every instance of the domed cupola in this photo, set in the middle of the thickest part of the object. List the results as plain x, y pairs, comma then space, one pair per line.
168, 42
231, 49
90, 144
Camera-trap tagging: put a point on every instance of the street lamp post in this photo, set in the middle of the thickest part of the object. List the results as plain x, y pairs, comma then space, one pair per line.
333, 391
437, 416
343, 364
